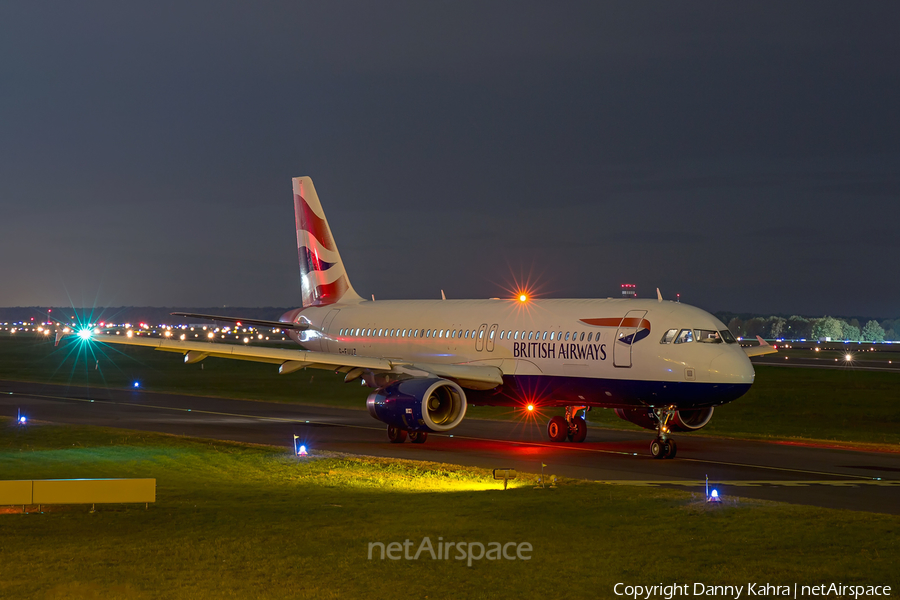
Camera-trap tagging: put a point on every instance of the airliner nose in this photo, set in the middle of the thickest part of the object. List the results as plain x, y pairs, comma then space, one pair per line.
731, 367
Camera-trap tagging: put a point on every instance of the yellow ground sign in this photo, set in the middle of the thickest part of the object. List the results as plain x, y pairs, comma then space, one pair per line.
77, 491
15, 492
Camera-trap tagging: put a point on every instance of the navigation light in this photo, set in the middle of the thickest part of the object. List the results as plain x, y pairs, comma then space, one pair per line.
85, 334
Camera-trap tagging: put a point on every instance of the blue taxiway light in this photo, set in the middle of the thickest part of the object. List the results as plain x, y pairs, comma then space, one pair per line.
137, 384
301, 451
22, 420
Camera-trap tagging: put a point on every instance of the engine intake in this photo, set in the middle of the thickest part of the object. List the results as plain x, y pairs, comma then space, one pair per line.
419, 404
684, 420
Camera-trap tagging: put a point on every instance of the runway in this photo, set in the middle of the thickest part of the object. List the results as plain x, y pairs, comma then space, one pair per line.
857, 364
827, 477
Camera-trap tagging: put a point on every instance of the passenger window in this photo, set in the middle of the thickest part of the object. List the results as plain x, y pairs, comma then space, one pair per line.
501, 334
530, 334
590, 335
668, 337
380, 332
544, 337
567, 336
492, 334
460, 333
481, 334
467, 334
685, 336
448, 333
582, 336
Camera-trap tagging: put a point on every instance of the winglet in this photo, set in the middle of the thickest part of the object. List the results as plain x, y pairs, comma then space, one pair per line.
763, 348
443, 296
658, 295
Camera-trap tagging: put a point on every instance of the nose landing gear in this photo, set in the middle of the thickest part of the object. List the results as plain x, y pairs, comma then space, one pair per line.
572, 426
663, 446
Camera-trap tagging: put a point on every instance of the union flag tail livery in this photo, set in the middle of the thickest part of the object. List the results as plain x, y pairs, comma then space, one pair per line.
323, 278
427, 360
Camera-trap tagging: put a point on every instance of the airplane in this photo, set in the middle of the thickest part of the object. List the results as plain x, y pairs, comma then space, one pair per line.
662, 365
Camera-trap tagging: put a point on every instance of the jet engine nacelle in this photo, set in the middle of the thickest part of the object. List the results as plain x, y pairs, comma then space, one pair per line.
419, 404
684, 420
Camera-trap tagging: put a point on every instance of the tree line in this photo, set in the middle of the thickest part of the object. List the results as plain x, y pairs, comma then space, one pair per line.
797, 328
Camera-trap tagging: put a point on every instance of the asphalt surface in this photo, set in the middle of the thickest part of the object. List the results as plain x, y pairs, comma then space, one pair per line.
820, 476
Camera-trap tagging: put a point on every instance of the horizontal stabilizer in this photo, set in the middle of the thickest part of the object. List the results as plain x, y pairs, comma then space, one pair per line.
763, 348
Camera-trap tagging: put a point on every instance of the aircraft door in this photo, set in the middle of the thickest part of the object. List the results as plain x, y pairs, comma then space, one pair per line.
330, 345
625, 336
491, 336
479, 337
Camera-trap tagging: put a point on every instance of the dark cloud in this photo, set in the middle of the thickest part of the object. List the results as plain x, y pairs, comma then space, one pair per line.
746, 157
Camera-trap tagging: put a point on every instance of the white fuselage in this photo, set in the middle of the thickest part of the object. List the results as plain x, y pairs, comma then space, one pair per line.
603, 352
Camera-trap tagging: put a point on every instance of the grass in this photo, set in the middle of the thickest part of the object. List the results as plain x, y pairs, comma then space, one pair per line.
832, 405
242, 521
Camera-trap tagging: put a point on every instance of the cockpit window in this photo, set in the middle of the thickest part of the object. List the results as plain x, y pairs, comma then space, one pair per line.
728, 337
708, 336
668, 337
684, 336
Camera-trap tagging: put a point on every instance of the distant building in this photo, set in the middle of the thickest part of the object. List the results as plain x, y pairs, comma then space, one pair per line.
629, 290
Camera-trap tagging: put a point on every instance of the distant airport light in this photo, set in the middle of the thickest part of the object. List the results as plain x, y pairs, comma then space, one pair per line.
210, 335
246, 340
129, 333
182, 336
848, 357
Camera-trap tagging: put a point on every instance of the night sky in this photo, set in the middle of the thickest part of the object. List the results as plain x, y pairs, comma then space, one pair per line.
746, 156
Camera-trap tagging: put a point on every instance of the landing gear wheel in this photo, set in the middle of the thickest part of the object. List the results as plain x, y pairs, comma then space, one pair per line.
672, 449
418, 437
657, 448
578, 431
557, 429
396, 435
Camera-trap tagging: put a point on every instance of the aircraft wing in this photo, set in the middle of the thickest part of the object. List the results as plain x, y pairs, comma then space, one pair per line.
763, 348
468, 376
240, 321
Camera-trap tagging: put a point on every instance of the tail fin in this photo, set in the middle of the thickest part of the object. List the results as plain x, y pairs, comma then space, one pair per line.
322, 274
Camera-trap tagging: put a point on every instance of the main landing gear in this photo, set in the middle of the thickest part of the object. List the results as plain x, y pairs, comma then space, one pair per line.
398, 436
572, 426
663, 446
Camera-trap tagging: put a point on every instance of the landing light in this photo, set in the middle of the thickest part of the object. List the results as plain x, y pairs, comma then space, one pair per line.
85, 334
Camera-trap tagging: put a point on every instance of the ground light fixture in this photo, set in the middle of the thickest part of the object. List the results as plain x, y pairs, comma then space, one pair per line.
712, 496
21, 419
